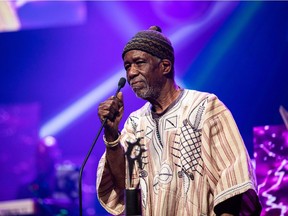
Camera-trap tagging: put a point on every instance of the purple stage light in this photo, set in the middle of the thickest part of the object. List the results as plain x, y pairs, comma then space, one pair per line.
271, 155
49, 141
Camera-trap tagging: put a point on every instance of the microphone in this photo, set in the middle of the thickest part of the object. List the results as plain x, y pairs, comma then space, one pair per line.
121, 84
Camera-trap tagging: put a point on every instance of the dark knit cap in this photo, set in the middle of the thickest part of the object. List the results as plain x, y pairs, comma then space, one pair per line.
153, 42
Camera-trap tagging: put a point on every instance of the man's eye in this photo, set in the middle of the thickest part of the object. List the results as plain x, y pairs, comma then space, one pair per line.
127, 67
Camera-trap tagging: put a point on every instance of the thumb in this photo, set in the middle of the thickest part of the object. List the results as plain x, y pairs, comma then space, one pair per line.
120, 96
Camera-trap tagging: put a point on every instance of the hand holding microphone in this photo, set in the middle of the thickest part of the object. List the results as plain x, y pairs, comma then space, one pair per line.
111, 111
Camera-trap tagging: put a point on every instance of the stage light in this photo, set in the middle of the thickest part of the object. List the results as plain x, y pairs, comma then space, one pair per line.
49, 141
82, 105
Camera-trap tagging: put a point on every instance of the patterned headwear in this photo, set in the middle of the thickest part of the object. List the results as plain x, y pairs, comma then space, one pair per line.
153, 42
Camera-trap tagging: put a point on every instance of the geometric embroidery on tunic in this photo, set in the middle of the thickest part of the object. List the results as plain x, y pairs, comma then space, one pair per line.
164, 177
148, 132
171, 123
133, 120
190, 151
144, 192
156, 184
189, 147
197, 113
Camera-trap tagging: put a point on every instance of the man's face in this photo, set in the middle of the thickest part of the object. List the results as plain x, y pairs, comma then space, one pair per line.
144, 74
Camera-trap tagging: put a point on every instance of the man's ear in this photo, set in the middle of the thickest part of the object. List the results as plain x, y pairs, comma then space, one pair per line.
166, 66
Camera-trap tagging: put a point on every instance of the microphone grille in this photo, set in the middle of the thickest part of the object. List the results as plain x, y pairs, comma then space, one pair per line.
121, 82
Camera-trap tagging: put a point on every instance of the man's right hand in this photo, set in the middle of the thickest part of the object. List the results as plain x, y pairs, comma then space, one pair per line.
112, 109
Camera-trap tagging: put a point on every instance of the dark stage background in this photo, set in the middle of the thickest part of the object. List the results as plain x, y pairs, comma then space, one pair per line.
62, 58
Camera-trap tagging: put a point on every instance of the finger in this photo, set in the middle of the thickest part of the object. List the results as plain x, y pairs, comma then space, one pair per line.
105, 110
120, 96
111, 107
120, 99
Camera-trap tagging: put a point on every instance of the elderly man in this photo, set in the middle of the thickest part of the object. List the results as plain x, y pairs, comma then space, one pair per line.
189, 155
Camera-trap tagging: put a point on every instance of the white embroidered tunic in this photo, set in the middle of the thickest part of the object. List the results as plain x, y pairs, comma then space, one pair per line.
191, 158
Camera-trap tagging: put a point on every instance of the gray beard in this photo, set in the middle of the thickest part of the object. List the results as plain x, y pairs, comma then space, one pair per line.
150, 92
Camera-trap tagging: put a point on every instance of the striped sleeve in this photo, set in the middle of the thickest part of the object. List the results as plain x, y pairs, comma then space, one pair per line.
227, 162
109, 196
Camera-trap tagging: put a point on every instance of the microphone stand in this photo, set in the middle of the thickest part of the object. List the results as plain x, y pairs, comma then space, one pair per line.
84, 163
133, 202
121, 84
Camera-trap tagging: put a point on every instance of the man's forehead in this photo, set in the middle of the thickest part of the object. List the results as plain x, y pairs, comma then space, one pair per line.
134, 54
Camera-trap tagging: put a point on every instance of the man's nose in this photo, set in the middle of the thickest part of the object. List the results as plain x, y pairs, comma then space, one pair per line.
132, 72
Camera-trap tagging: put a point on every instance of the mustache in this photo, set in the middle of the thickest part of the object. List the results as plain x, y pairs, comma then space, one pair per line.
136, 80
